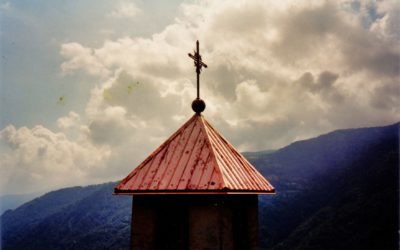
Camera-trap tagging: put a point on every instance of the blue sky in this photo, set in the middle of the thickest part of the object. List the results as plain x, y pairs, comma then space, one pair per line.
31, 34
89, 88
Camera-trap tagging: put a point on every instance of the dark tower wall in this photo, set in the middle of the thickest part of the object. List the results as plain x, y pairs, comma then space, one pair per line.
194, 222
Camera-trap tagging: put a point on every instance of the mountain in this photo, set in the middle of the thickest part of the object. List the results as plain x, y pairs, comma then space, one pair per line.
72, 218
336, 191
15, 200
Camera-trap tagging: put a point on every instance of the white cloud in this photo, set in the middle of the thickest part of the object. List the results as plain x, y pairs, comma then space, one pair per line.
257, 53
39, 159
278, 71
125, 10
387, 27
68, 121
81, 58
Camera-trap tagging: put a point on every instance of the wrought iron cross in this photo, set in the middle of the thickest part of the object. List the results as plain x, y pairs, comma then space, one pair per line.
198, 63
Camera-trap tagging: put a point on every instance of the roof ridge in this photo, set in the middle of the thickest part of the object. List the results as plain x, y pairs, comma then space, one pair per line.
196, 158
204, 127
180, 157
159, 149
248, 165
225, 152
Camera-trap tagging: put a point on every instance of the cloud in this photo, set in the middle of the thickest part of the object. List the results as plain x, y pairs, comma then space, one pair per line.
81, 58
111, 127
278, 72
386, 97
387, 27
125, 10
266, 63
39, 159
69, 121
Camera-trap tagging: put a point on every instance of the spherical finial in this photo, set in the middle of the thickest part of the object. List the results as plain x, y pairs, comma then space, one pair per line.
198, 105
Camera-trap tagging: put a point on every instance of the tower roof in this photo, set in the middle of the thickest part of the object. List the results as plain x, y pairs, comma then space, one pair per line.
195, 159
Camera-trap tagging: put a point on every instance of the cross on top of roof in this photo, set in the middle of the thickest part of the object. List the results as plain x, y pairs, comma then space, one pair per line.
196, 159
198, 105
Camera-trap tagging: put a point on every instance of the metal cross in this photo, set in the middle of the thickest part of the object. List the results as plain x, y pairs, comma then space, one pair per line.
198, 63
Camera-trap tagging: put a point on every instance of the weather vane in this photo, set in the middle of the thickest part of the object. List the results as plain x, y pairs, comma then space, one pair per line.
198, 105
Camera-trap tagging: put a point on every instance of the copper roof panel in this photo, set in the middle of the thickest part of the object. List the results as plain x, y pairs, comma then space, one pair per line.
196, 159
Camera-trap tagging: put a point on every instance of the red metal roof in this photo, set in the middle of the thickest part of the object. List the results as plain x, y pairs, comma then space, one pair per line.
195, 159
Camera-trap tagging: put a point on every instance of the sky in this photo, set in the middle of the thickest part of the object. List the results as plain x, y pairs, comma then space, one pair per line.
89, 88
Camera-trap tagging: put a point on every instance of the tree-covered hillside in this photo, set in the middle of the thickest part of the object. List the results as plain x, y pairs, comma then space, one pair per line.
336, 191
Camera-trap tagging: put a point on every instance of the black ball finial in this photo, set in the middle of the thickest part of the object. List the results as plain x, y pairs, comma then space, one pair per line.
198, 105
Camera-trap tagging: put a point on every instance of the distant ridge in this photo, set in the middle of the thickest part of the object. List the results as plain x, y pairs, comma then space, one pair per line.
335, 191
15, 200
